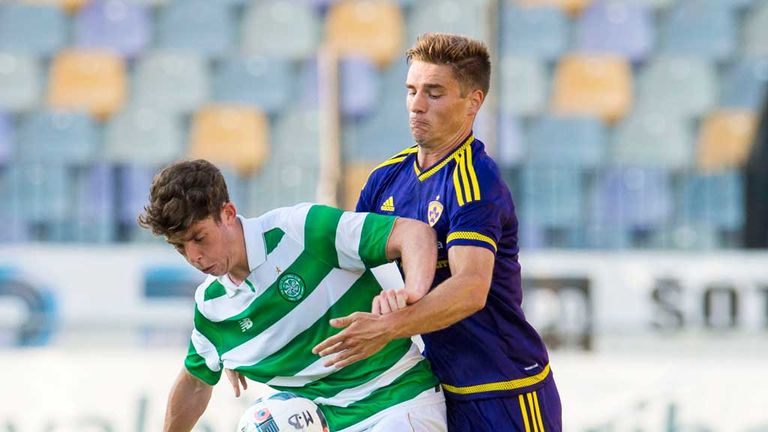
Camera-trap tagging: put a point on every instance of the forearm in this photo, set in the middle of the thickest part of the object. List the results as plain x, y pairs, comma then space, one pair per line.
415, 244
188, 399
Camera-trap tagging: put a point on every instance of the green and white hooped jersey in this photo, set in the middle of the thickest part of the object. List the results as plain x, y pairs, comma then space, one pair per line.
309, 263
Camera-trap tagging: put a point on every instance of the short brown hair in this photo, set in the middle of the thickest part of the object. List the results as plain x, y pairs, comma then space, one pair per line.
182, 194
467, 57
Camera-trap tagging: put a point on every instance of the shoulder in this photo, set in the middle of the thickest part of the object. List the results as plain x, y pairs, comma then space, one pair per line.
208, 290
392, 163
478, 176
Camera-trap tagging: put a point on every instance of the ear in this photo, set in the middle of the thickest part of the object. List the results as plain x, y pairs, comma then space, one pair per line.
476, 98
228, 212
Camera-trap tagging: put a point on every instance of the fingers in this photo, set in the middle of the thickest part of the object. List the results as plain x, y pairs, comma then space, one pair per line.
243, 381
233, 379
344, 321
327, 345
376, 305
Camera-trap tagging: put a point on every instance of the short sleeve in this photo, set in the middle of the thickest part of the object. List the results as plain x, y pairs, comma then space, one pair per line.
202, 359
477, 223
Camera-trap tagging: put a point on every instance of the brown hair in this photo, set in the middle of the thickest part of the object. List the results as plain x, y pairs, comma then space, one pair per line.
182, 194
467, 57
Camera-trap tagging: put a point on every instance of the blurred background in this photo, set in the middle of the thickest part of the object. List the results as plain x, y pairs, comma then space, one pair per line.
632, 133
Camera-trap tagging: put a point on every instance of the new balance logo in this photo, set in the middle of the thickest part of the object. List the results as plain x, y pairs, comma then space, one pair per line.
245, 324
389, 204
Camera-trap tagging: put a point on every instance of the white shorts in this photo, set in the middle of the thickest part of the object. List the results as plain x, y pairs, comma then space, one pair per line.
424, 413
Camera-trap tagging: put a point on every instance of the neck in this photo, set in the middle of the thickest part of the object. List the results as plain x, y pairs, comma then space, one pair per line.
241, 270
430, 153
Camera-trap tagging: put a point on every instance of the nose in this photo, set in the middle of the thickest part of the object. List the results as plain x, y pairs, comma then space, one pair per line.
192, 252
417, 102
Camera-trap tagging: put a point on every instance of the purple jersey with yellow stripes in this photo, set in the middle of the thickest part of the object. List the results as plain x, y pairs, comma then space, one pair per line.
495, 351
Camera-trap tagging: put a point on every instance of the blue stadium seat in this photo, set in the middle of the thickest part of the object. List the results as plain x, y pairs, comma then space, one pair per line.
144, 135
133, 182
57, 137
262, 82
13, 229
632, 199
6, 139
295, 136
713, 199
31, 29
540, 32
610, 27
465, 17
677, 87
171, 82
42, 192
569, 141
510, 148
524, 85
285, 29
93, 216
120, 26
651, 139
201, 27
745, 84
21, 82
386, 131
691, 28
552, 196
359, 84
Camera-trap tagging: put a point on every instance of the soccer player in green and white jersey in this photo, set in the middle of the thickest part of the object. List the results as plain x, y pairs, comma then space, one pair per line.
274, 283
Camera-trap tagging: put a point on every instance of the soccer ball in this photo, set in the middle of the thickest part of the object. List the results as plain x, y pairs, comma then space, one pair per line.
281, 412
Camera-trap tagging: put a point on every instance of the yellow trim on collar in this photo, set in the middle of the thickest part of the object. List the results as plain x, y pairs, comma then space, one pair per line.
425, 175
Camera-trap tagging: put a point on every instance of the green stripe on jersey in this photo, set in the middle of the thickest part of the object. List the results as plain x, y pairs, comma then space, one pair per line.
373, 241
195, 364
272, 238
320, 233
214, 290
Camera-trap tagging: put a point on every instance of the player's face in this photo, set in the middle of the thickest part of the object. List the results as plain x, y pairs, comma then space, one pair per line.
209, 245
438, 113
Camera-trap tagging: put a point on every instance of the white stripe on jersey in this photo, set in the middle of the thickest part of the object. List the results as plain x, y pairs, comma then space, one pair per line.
348, 234
206, 350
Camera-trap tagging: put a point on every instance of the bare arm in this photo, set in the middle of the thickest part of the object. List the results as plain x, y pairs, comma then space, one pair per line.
458, 297
414, 242
188, 399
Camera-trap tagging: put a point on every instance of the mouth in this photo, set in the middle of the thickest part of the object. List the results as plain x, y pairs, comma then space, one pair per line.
418, 124
207, 270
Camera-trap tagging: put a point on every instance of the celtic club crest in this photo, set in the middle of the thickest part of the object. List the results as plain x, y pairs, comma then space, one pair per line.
291, 287
434, 211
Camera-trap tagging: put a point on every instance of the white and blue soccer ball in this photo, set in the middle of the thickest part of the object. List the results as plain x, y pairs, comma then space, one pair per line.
283, 412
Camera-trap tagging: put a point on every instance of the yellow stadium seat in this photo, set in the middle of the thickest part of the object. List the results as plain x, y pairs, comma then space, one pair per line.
232, 135
70, 6
355, 174
593, 85
573, 7
93, 81
369, 28
725, 139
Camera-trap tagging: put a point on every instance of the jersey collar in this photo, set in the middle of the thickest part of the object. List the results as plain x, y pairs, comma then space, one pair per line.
255, 249
423, 175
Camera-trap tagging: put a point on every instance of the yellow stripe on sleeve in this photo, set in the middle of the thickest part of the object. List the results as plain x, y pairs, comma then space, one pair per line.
472, 175
538, 411
469, 235
525, 415
533, 412
463, 175
457, 187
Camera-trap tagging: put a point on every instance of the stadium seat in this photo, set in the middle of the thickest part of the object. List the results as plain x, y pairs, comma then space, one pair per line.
540, 32
120, 26
714, 199
756, 31
523, 85
87, 80
143, 135
725, 139
261, 82
573, 7
43, 192
93, 220
657, 5
171, 82
20, 83
610, 27
234, 136
692, 28
552, 196
70, 6
631, 198
359, 82
295, 136
6, 139
593, 85
57, 137
282, 183
745, 85
369, 28
465, 17
201, 27
653, 140
133, 182
385, 131
280, 29
354, 176
510, 143
567, 141
677, 87
34, 30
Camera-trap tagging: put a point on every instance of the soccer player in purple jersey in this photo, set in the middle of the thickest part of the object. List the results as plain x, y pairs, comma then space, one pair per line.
491, 362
